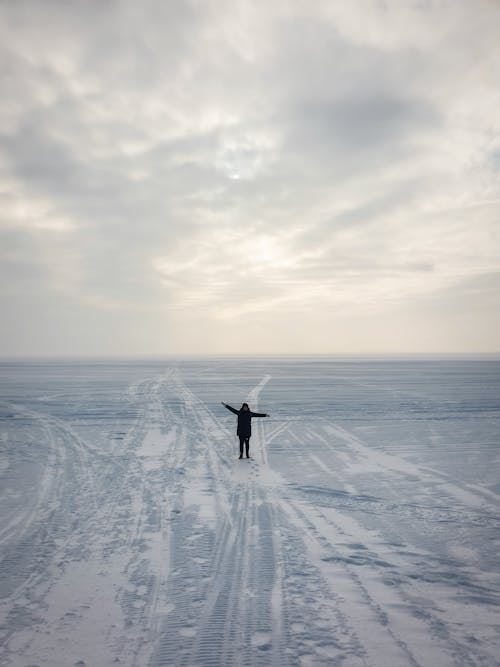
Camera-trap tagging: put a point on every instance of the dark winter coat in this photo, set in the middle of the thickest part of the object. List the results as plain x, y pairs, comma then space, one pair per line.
244, 429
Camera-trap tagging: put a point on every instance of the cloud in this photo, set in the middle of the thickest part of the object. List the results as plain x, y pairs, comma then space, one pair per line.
233, 161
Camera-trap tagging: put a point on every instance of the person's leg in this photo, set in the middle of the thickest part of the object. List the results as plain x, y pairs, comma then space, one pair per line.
241, 446
247, 446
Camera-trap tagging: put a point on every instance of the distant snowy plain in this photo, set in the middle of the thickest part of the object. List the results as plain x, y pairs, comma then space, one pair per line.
364, 532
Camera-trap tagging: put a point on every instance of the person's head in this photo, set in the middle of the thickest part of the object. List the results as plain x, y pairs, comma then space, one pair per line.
245, 407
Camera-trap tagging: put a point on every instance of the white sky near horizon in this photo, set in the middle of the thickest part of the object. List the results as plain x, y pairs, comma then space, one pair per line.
249, 177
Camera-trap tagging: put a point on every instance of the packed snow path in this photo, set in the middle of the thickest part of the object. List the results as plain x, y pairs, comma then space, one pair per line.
165, 549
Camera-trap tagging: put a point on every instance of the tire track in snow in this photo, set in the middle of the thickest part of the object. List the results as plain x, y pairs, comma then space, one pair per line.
52, 534
380, 585
221, 545
247, 609
47, 521
351, 603
396, 464
318, 633
240, 616
161, 455
101, 534
268, 500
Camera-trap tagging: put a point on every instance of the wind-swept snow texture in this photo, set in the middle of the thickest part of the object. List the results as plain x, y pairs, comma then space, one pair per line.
364, 532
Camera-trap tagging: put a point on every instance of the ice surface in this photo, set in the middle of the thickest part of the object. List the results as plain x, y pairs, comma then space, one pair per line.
364, 531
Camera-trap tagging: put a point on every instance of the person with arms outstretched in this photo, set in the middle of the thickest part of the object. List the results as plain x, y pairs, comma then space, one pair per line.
244, 430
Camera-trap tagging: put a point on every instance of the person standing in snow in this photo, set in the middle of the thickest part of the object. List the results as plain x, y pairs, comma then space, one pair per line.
244, 430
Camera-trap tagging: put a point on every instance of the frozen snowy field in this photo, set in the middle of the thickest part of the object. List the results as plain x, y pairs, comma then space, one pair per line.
365, 532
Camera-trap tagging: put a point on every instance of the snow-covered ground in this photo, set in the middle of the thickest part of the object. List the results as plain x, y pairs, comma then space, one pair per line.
365, 531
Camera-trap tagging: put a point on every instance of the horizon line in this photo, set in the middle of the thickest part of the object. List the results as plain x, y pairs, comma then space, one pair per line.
460, 356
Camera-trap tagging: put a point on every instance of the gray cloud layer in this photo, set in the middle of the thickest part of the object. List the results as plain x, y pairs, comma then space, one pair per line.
212, 177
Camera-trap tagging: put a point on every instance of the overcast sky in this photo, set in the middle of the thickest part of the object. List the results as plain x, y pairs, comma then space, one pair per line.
255, 177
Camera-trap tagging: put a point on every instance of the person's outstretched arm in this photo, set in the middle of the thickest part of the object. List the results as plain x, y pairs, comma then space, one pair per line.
259, 414
229, 408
